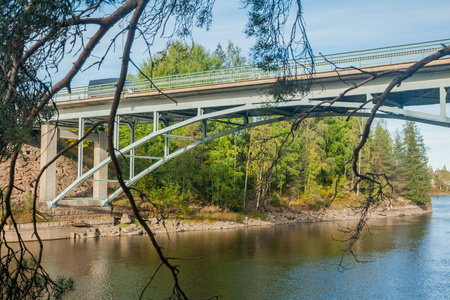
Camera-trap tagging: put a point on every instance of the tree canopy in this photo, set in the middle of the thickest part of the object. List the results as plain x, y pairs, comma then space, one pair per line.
179, 58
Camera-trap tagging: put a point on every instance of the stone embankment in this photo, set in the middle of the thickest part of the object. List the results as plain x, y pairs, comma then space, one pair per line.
107, 227
28, 168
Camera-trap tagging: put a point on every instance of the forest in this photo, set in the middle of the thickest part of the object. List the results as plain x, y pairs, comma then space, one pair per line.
244, 170
248, 170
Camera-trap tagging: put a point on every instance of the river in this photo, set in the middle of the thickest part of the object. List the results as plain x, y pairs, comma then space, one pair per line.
409, 258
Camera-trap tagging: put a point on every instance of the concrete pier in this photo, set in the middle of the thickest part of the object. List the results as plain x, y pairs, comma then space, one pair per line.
100, 177
47, 184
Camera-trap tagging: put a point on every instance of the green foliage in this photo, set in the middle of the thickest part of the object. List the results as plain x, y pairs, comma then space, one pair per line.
305, 174
417, 177
258, 215
411, 176
275, 200
39, 285
65, 286
179, 58
382, 158
442, 179
231, 57
168, 199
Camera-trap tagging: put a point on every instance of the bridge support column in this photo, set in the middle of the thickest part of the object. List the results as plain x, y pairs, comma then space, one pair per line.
133, 151
100, 187
204, 124
443, 101
116, 133
80, 146
166, 146
47, 184
155, 121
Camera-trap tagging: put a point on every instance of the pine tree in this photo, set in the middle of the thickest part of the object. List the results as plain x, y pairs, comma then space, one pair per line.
399, 175
417, 176
382, 157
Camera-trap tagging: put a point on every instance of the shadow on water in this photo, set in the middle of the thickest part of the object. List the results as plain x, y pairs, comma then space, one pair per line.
410, 260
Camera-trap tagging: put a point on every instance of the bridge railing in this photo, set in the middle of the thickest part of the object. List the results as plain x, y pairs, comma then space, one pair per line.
359, 59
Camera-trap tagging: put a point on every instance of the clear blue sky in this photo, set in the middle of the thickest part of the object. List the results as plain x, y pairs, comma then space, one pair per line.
332, 26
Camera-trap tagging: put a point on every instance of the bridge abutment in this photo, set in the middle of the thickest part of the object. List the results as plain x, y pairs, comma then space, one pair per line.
48, 145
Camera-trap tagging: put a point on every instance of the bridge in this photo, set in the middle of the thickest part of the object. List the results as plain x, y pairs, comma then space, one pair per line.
237, 97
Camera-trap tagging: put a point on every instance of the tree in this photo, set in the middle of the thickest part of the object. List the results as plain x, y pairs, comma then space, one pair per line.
381, 151
418, 183
179, 58
231, 58
442, 179
36, 36
399, 152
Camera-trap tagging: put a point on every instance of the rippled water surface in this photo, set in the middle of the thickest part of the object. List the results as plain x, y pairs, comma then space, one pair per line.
409, 259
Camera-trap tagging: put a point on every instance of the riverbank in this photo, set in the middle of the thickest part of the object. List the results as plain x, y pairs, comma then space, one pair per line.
109, 227
440, 193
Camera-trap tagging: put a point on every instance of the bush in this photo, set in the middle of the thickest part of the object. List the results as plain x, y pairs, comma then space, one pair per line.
275, 201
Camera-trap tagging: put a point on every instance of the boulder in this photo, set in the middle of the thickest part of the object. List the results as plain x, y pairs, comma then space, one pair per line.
125, 219
136, 232
129, 228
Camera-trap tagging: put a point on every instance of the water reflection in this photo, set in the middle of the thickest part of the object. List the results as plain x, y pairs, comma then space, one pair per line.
410, 257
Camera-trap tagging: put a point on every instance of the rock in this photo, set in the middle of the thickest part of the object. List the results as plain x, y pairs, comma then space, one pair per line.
92, 233
136, 232
153, 221
125, 219
129, 228
114, 231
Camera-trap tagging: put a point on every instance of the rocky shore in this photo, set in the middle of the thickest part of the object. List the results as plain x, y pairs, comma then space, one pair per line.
126, 226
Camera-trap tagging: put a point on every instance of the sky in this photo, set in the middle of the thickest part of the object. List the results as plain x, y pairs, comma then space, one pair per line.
332, 27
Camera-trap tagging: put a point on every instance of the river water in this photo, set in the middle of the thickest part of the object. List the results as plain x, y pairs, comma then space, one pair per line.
409, 258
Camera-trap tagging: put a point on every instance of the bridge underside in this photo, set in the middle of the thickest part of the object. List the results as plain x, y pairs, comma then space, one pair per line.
241, 105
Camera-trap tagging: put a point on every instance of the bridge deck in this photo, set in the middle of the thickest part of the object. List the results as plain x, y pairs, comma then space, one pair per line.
138, 107
322, 64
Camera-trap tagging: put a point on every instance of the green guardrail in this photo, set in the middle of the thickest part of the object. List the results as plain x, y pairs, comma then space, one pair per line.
359, 59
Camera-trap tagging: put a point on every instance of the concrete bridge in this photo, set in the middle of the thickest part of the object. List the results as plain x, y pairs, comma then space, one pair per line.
238, 94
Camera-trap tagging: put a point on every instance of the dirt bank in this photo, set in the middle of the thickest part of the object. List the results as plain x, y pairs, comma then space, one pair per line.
107, 227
